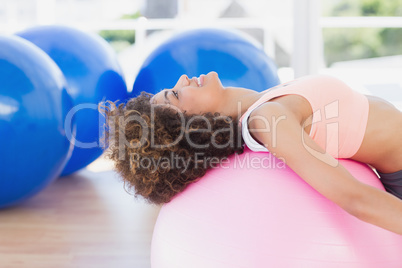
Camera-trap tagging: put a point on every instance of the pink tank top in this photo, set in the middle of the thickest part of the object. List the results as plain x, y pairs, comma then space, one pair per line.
339, 114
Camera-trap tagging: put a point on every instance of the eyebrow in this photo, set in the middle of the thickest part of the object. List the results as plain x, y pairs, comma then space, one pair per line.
166, 98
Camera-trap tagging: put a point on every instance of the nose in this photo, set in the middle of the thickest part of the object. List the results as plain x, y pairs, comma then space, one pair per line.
183, 80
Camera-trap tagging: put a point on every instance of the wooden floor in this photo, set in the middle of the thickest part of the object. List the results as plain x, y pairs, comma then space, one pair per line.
85, 220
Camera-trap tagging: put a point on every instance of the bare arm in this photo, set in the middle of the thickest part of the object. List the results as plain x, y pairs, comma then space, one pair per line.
321, 171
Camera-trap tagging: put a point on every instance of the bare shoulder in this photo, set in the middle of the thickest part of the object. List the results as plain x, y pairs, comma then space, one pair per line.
279, 109
265, 115
266, 120
268, 109
278, 129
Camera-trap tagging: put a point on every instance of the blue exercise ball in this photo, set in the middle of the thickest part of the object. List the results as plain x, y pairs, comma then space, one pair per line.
33, 105
93, 75
237, 60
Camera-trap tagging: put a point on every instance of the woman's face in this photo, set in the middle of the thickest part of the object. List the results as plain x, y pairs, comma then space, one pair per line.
195, 95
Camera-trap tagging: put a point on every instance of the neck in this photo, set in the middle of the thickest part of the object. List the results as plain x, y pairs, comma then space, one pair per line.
237, 100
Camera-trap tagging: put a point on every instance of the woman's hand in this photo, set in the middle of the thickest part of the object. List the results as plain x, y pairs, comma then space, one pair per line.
282, 134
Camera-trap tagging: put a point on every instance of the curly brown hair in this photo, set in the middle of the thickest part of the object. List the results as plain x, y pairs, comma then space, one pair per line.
159, 151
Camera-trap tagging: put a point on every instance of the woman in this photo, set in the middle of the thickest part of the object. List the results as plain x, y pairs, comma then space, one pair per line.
162, 143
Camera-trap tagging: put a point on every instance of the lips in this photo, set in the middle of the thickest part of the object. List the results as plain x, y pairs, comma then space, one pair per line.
201, 80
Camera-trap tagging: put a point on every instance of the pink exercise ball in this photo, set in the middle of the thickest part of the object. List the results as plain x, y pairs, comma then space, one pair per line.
254, 211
